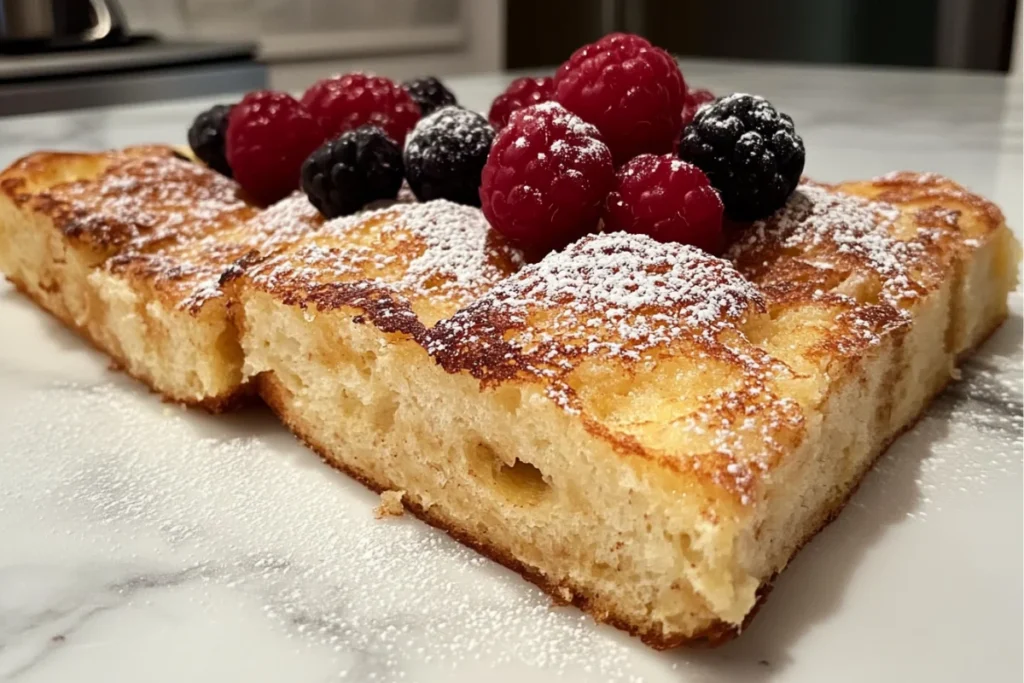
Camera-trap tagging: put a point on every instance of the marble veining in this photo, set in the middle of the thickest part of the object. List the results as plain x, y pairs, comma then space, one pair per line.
144, 542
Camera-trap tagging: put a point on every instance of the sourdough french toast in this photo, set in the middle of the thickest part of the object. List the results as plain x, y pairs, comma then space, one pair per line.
640, 428
128, 247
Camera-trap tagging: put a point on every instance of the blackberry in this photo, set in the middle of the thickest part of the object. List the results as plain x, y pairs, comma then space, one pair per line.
429, 93
749, 151
358, 167
445, 155
206, 137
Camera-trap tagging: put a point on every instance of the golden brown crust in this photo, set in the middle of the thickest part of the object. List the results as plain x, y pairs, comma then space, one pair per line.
131, 199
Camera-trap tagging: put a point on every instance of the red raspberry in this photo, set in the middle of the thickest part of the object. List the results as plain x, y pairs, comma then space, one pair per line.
269, 136
520, 93
667, 199
632, 91
692, 102
343, 103
546, 177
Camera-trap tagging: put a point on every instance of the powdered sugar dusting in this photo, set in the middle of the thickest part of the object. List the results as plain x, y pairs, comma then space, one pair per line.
612, 295
283, 223
436, 248
563, 117
818, 223
139, 201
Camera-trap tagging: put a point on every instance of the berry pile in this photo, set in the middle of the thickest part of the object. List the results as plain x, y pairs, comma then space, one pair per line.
614, 139
683, 157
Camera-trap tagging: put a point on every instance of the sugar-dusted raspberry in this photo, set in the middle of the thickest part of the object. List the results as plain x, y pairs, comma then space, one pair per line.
343, 103
546, 177
667, 199
522, 92
632, 91
268, 137
693, 101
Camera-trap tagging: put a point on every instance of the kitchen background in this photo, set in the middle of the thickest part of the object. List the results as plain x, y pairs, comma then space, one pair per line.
205, 44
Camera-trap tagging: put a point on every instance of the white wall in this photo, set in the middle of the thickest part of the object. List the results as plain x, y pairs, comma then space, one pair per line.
304, 40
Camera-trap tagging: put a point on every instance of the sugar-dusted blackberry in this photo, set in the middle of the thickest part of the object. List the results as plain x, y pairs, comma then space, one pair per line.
206, 137
429, 93
749, 151
358, 167
445, 154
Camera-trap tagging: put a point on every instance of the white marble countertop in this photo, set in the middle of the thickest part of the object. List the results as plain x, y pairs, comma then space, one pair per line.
141, 542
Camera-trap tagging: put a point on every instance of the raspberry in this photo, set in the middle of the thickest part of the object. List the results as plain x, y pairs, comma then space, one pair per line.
749, 151
269, 136
346, 102
667, 199
445, 155
546, 177
358, 167
520, 93
429, 93
632, 91
206, 137
692, 102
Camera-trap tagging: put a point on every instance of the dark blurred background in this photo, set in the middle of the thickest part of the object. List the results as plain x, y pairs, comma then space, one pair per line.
963, 34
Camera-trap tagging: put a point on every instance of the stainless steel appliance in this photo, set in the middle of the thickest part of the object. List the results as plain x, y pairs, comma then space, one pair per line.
137, 71
70, 54
34, 25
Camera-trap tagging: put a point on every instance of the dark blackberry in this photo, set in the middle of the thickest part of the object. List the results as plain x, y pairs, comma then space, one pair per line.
429, 93
358, 167
749, 151
206, 137
445, 155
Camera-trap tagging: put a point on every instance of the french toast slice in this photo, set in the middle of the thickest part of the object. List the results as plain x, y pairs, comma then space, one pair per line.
127, 247
640, 428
